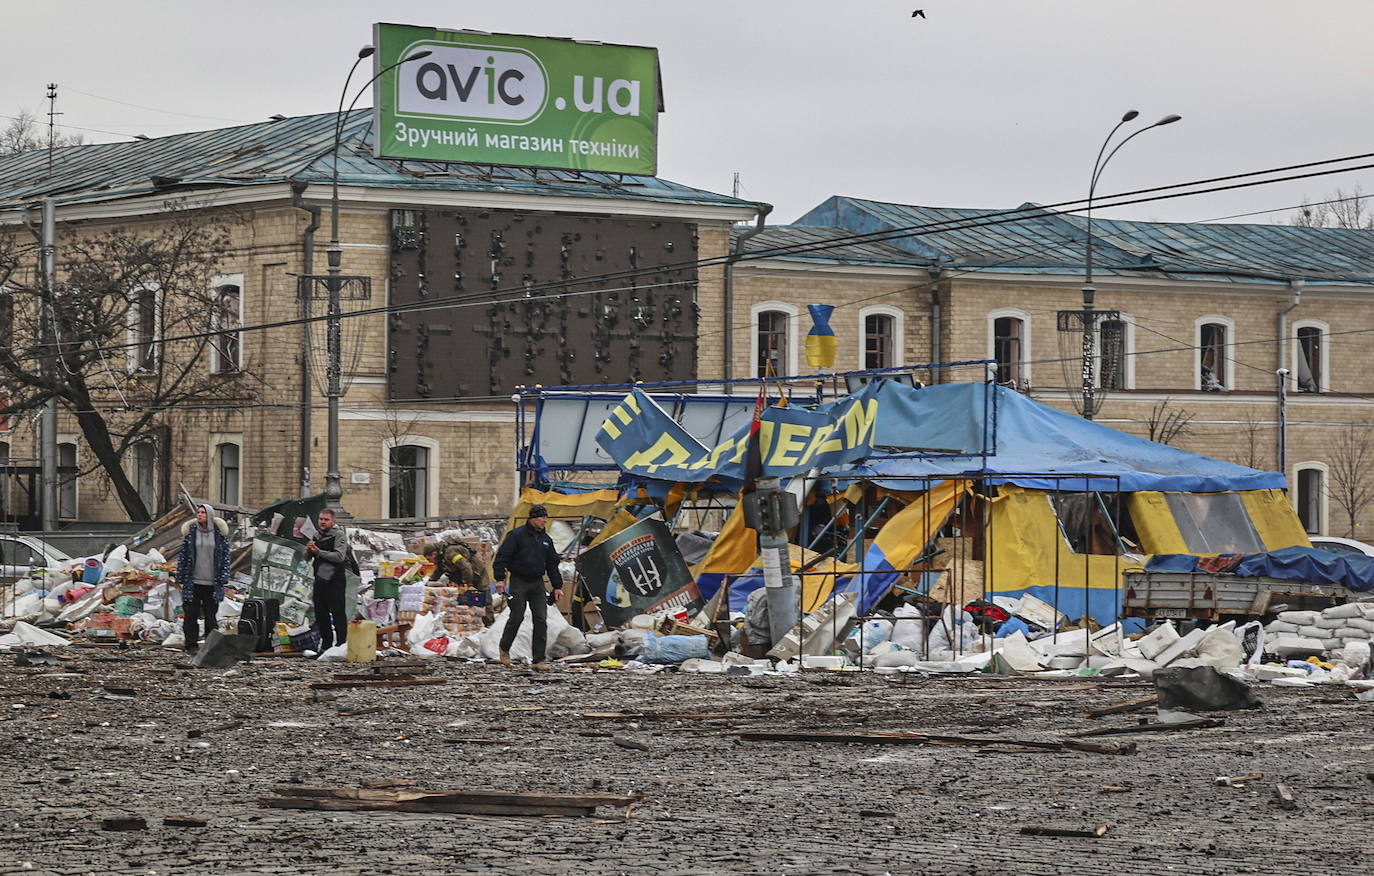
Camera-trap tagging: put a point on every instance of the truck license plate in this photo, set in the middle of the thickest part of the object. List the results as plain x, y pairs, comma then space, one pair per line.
1171, 612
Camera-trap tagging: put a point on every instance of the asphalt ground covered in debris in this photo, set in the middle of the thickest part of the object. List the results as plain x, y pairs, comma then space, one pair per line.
714, 803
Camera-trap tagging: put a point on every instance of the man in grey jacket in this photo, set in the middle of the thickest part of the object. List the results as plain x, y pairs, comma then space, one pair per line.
328, 548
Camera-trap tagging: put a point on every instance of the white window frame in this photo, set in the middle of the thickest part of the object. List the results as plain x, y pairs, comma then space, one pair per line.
1026, 357
216, 439
1323, 501
431, 508
217, 283
1229, 383
70, 438
1127, 354
793, 315
1323, 357
133, 352
898, 332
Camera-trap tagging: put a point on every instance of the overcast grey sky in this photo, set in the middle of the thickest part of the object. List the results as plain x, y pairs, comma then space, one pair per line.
981, 104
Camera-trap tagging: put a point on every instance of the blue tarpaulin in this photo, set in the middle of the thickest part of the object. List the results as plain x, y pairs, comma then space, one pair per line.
1287, 564
1033, 443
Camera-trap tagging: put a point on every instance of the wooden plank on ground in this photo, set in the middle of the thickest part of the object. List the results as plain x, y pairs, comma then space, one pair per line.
1156, 727
1128, 706
385, 682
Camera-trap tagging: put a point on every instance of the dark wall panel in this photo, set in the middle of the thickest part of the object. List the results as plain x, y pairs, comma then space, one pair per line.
586, 329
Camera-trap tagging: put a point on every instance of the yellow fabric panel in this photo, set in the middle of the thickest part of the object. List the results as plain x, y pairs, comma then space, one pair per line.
569, 507
819, 580
908, 531
1028, 548
622, 519
1275, 519
734, 551
1155, 525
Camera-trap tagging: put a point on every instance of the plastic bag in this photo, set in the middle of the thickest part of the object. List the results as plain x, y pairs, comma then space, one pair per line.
949, 634
909, 634
337, 654
673, 649
520, 648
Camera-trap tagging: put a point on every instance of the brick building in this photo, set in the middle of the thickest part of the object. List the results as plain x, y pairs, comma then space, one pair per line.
547, 276
1192, 356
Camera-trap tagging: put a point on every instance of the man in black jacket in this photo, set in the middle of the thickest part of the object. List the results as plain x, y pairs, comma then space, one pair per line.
528, 553
329, 549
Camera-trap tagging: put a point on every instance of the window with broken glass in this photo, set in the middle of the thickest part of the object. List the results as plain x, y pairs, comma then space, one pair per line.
1096, 523
1007, 335
772, 340
1112, 340
878, 341
1309, 359
1212, 374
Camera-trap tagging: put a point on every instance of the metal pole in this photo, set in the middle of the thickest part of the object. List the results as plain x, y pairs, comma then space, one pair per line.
1282, 375
48, 431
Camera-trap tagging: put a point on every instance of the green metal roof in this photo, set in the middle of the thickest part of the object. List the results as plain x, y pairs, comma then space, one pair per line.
298, 149
1046, 242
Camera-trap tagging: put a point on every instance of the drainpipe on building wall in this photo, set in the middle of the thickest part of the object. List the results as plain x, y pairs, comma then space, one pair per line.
728, 316
1296, 287
303, 293
935, 327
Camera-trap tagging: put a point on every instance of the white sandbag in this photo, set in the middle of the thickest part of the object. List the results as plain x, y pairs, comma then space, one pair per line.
896, 659
1360, 623
28, 605
952, 634
1329, 623
1354, 654
1219, 647
1279, 626
175, 642
1345, 610
1367, 609
1286, 643
1350, 634
911, 633
1301, 618
520, 648
1332, 644
1312, 631
572, 641
1158, 639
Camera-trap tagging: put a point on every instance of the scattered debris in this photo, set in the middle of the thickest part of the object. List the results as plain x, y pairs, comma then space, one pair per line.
179, 821
1092, 833
131, 823
387, 682
1199, 724
1283, 798
415, 800
630, 743
1119, 708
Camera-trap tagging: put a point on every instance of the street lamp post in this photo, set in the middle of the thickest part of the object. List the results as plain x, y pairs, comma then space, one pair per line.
334, 282
1089, 317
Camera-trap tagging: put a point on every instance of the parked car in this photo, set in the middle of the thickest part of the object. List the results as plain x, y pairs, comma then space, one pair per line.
1342, 545
20, 553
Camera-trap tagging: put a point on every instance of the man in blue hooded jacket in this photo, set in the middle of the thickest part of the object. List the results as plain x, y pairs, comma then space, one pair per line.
202, 572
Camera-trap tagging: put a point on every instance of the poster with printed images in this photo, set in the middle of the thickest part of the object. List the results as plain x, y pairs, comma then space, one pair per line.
638, 571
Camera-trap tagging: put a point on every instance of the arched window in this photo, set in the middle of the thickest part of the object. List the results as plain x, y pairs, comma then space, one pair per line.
227, 457
1009, 345
774, 340
226, 350
881, 339
410, 477
1310, 495
1310, 359
1214, 336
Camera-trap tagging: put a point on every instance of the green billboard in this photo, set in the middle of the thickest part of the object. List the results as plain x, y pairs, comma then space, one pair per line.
505, 99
